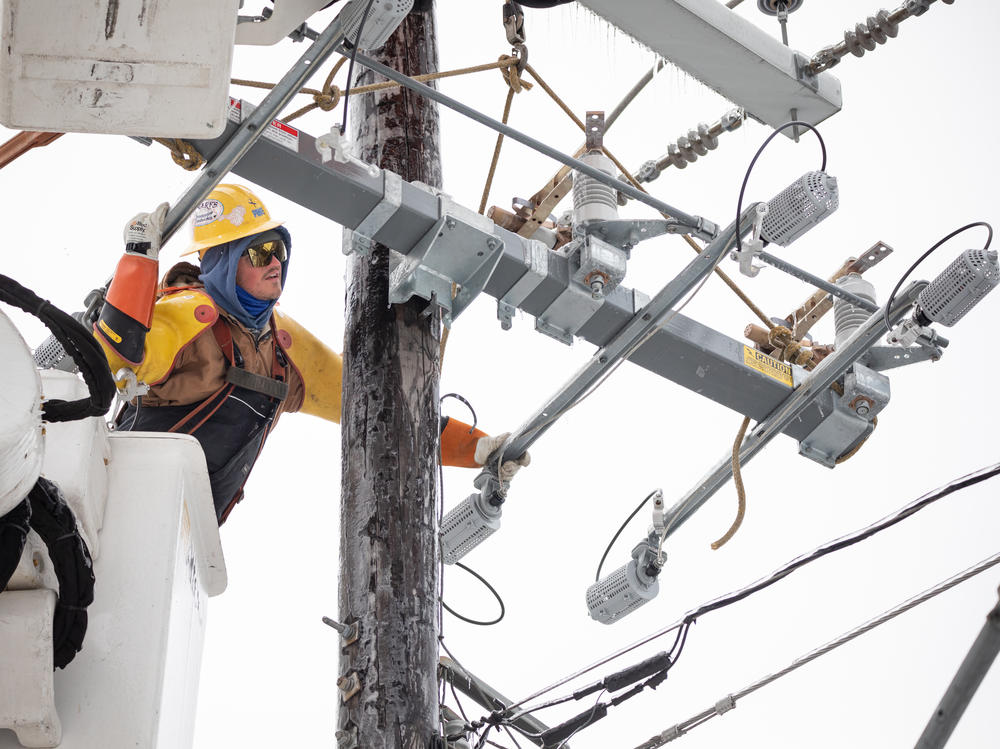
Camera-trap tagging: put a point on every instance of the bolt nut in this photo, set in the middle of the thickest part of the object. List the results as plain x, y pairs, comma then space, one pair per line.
862, 405
349, 685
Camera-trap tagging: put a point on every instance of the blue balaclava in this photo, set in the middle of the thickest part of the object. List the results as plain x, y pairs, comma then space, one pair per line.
218, 273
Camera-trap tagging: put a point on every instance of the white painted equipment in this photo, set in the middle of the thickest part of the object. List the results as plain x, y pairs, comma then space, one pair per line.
729, 55
144, 507
21, 427
129, 67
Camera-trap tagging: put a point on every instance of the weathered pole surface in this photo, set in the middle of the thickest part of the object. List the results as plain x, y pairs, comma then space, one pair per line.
390, 425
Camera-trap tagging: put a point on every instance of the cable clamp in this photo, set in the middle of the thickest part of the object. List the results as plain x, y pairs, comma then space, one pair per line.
746, 254
336, 145
906, 333
674, 732
724, 705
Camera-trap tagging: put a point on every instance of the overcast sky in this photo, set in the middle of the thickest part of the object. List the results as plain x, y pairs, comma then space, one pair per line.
915, 158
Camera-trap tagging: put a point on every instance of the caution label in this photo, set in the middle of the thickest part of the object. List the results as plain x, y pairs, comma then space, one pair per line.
767, 365
276, 131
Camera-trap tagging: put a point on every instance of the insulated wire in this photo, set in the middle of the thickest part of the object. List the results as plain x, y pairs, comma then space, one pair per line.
503, 609
683, 727
593, 712
919, 260
860, 535
350, 67
614, 538
746, 178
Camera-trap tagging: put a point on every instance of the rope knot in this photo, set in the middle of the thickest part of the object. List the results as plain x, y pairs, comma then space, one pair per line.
184, 154
328, 98
786, 348
511, 72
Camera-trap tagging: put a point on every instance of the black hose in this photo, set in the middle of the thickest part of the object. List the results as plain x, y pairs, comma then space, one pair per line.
53, 520
14, 527
78, 343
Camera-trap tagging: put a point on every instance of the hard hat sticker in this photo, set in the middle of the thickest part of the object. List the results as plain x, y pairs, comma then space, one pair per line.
207, 212
235, 216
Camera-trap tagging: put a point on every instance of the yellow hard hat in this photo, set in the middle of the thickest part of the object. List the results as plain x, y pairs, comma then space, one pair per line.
229, 212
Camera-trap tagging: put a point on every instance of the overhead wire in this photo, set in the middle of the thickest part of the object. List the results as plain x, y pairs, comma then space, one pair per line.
503, 609
730, 700
862, 534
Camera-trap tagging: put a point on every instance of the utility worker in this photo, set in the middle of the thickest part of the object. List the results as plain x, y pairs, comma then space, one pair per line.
221, 362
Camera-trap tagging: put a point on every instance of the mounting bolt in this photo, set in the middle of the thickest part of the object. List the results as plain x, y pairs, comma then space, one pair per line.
493, 244
347, 739
449, 222
348, 632
862, 405
349, 684
596, 280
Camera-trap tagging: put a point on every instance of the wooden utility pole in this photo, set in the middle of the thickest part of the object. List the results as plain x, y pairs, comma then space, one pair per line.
390, 429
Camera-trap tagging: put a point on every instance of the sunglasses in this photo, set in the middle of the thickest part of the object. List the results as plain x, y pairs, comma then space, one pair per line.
260, 254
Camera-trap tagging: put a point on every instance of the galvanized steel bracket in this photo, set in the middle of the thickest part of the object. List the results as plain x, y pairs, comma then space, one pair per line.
379, 216
450, 265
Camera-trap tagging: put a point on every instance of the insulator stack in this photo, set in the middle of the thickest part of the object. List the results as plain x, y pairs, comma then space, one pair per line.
686, 149
864, 37
593, 200
849, 317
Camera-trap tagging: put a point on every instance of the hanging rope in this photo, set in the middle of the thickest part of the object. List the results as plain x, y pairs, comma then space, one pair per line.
184, 154
329, 96
740, 492
512, 76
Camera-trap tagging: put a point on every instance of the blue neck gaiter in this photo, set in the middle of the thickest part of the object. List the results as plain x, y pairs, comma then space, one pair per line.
255, 307
218, 273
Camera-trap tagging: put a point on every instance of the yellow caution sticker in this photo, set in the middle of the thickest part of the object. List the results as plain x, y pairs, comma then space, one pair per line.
767, 365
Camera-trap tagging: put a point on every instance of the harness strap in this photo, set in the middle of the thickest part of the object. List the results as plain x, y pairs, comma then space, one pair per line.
275, 386
258, 383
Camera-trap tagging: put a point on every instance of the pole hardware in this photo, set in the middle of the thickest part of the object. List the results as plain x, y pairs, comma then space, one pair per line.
349, 685
700, 227
348, 632
451, 264
816, 385
347, 738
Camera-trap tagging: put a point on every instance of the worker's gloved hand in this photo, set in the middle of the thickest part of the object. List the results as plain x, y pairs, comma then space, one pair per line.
487, 445
144, 232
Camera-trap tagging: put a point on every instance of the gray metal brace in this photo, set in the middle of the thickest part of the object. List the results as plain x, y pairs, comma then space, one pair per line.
816, 385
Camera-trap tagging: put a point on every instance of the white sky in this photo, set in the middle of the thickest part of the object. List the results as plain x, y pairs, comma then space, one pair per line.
914, 157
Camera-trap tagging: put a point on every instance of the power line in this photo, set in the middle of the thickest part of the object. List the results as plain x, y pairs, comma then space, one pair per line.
729, 701
800, 561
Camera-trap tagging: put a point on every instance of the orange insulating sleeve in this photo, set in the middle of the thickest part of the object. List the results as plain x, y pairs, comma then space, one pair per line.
458, 446
133, 290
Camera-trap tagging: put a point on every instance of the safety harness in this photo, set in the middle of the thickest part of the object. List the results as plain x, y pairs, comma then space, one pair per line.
231, 424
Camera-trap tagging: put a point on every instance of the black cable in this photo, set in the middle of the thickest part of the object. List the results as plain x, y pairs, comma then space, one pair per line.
14, 527
55, 523
600, 564
845, 541
468, 405
492, 590
674, 651
920, 259
911, 509
350, 67
682, 635
772, 136
78, 342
